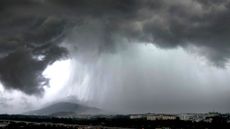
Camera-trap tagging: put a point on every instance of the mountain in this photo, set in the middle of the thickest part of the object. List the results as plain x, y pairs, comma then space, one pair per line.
66, 109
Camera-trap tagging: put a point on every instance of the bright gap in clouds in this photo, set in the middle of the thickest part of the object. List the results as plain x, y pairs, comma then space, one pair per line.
13, 101
58, 74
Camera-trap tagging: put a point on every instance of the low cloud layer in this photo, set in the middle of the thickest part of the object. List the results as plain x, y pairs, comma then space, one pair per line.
31, 32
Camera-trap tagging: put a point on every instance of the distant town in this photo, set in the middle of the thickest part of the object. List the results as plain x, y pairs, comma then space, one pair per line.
211, 120
194, 117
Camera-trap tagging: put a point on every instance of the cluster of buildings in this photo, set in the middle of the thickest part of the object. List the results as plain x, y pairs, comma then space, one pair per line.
195, 117
154, 116
161, 117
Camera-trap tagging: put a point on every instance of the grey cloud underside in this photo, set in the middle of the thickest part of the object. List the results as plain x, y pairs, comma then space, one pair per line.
23, 41
33, 28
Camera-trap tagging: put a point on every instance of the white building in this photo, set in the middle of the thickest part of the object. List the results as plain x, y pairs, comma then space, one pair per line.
161, 117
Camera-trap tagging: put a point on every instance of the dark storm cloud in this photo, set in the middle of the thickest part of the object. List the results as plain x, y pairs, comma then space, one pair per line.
27, 45
34, 28
202, 23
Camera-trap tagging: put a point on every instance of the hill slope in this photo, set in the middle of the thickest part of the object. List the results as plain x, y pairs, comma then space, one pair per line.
65, 109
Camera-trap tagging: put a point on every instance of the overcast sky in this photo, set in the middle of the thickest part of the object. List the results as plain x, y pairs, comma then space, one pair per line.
118, 55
